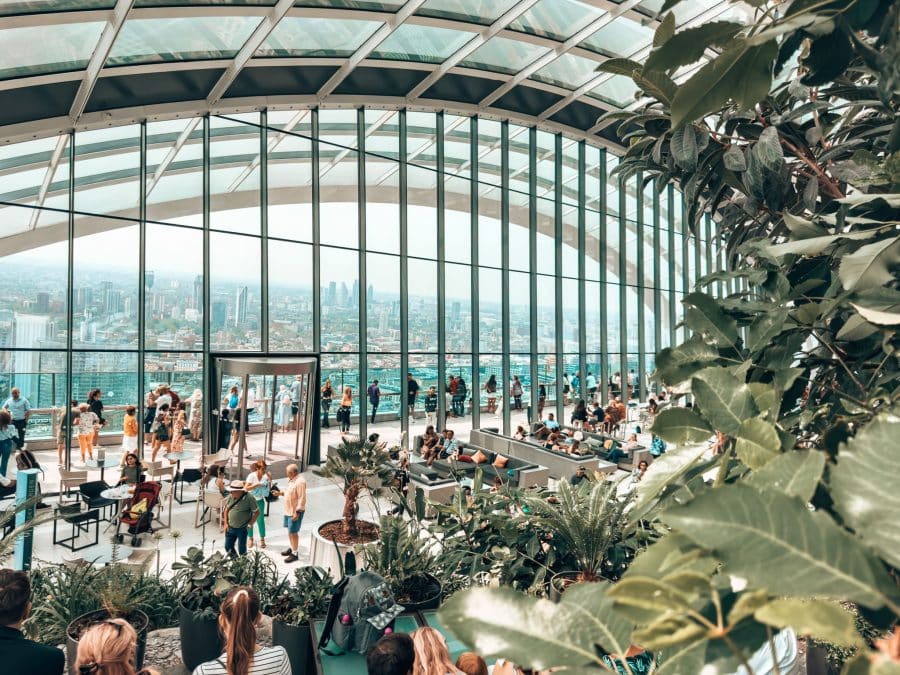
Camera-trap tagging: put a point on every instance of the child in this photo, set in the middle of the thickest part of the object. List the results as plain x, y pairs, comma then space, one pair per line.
87, 422
162, 435
178, 428
129, 432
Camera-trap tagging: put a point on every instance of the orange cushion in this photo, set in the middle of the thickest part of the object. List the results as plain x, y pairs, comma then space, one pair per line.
479, 457
500, 461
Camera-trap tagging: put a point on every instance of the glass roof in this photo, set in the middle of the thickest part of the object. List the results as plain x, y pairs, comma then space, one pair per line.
421, 43
556, 19
305, 36
180, 39
504, 55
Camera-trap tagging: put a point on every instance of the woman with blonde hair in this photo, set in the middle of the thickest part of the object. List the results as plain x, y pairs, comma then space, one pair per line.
109, 648
432, 655
239, 617
196, 423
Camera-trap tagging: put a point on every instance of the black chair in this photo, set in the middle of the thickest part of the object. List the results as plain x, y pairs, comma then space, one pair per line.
90, 495
81, 522
186, 476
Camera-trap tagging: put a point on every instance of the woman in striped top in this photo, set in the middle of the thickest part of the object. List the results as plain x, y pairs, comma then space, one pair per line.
239, 617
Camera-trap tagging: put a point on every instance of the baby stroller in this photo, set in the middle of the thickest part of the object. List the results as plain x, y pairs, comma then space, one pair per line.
138, 514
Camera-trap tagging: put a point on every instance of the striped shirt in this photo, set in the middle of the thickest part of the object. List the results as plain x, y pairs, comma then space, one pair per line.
267, 661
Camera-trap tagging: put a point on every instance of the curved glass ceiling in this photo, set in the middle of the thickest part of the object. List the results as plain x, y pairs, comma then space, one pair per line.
544, 53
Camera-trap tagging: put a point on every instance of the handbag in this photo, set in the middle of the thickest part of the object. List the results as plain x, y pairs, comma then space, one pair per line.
185, 431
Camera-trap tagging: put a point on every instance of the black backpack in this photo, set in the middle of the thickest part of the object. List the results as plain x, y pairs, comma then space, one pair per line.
362, 607
25, 459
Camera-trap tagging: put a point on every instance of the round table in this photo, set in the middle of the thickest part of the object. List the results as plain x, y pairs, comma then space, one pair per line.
118, 492
102, 464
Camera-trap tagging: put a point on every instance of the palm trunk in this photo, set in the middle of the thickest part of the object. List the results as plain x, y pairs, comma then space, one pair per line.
351, 495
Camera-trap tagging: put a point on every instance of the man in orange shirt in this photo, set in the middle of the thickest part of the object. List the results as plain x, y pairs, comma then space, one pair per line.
294, 508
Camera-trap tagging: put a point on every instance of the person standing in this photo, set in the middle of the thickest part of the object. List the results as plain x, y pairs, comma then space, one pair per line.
19, 410
129, 431
96, 405
179, 422
490, 388
18, 655
430, 402
516, 391
149, 413
294, 508
346, 405
327, 396
240, 511
65, 427
460, 396
374, 394
412, 393
7, 440
590, 382
542, 400
258, 484
86, 421
283, 411
196, 421
296, 386
565, 389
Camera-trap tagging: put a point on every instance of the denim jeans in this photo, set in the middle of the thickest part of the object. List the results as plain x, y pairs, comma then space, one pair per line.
20, 428
236, 535
6, 446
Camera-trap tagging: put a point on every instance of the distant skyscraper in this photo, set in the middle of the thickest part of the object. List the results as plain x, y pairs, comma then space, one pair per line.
455, 312
30, 332
149, 278
240, 306
331, 297
43, 303
84, 298
343, 295
218, 314
354, 294
198, 293
370, 294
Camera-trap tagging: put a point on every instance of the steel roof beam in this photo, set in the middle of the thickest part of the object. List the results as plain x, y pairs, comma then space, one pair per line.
368, 47
48, 179
98, 58
254, 42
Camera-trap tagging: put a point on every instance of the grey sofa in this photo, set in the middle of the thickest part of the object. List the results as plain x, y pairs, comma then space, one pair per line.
595, 441
560, 465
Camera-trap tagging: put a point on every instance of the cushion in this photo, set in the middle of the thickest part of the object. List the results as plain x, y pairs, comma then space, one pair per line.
500, 461
479, 457
609, 443
464, 458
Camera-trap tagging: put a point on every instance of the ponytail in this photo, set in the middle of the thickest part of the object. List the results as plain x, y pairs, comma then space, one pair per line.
239, 614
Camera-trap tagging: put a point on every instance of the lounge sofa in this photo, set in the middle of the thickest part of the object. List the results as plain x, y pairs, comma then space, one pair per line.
559, 464
595, 441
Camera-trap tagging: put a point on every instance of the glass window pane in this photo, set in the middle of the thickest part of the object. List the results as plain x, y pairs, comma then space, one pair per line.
115, 375
490, 311
490, 240
173, 288
107, 167
343, 371
568, 71
620, 37
234, 173
556, 19
423, 305
382, 181
338, 172
234, 292
569, 311
459, 419
504, 55
519, 313
180, 39
421, 212
307, 36
593, 300
618, 89
546, 314
290, 174
383, 302
340, 299
175, 171
473, 11
49, 48
458, 237
290, 297
458, 306
430, 44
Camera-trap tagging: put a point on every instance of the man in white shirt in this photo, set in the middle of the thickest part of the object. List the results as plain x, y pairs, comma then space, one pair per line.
294, 508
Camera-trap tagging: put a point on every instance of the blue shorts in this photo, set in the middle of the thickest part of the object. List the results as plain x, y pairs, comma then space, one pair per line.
293, 526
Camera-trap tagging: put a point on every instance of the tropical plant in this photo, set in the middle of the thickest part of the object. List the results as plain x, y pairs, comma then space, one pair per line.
298, 603
205, 581
258, 571
797, 369
589, 525
357, 466
404, 557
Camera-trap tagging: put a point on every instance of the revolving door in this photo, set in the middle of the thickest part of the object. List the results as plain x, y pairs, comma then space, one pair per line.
264, 408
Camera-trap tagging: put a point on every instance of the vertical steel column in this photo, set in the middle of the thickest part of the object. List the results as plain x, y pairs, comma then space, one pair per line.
316, 236
505, 339
70, 298
532, 269
363, 326
441, 275
404, 280
209, 403
657, 281
670, 199
623, 285
582, 263
603, 375
264, 234
685, 258
641, 312
558, 268
142, 287
475, 382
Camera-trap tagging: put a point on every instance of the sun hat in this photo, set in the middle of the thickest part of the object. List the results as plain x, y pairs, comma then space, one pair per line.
236, 485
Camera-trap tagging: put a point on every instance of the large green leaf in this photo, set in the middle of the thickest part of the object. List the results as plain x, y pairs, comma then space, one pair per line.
665, 30
705, 316
757, 442
689, 45
723, 399
684, 147
775, 542
871, 266
619, 66
741, 73
734, 159
765, 327
812, 245
820, 619
686, 659
677, 364
681, 426
794, 473
864, 485
537, 633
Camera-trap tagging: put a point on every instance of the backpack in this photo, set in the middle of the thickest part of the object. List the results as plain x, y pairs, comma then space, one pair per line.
25, 459
361, 608
657, 447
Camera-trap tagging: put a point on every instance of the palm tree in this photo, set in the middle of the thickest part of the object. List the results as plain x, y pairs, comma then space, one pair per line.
359, 465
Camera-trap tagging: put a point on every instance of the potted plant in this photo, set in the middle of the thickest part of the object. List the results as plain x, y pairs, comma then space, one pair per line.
407, 561
358, 467
588, 520
120, 597
205, 583
293, 608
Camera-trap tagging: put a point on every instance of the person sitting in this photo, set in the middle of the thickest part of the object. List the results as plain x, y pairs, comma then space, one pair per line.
579, 414
553, 439
449, 448
239, 617
132, 470
631, 444
393, 654
652, 406
579, 476
109, 648
18, 655
639, 472
432, 655
520, 434
497, 485
471, 664
613, 451
545, 427
430, 442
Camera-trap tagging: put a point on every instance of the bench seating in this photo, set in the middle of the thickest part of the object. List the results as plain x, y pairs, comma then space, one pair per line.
595, 441
560, 465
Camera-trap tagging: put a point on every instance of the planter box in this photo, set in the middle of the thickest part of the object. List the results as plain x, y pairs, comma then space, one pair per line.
298, 644
200, 639
327, 554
